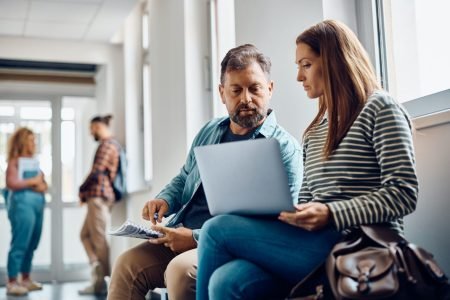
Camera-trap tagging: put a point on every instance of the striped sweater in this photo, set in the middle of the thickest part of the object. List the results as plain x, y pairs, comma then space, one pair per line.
370, 178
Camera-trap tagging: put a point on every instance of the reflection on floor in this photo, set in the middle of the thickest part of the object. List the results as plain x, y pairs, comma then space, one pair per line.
65, 291
55, 291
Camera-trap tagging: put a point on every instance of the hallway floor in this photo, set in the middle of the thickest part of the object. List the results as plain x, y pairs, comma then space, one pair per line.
56, 291
63, 291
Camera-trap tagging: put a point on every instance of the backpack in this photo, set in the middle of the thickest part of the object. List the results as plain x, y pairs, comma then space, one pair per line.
119, 184
5, 194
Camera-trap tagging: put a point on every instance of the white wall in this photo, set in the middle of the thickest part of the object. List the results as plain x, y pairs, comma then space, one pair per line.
342, 10
428, 225
197, 71
109, 95
273, 26
132, 51
180, 101
224, 25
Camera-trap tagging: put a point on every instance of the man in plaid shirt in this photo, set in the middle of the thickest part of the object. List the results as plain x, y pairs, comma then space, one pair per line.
97, 192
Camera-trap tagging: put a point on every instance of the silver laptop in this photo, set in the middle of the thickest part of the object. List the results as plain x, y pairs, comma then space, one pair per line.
245, 177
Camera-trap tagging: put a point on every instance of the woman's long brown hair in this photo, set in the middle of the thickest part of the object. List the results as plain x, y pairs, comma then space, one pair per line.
348, 76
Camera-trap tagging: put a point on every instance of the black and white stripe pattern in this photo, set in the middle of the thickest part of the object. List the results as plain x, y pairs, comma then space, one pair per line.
370, 178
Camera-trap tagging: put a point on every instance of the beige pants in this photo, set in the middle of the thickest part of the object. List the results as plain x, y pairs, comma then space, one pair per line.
142, 268
181, 276
93, 232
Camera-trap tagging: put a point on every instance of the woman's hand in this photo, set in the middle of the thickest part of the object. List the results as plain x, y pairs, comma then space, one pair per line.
309, 216
36, 180
40, 187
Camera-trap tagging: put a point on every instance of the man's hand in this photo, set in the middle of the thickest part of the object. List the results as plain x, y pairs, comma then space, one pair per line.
158, 206
309, 216
177, 239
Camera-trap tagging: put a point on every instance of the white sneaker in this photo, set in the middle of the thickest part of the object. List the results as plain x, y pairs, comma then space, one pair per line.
97, 272
15, 289
99, 289
31, 285
98, 284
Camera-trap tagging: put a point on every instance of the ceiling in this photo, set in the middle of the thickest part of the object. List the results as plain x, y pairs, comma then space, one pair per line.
79, 20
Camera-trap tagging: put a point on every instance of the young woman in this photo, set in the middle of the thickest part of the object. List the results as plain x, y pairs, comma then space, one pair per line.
25, 205
358, 169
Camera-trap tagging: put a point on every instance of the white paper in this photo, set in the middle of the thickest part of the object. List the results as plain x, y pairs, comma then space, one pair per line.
27, 164
130, 229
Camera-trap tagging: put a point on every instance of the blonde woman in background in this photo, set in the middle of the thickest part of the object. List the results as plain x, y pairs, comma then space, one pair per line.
25, 206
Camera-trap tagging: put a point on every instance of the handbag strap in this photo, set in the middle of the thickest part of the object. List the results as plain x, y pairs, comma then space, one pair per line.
382, 235
308, 283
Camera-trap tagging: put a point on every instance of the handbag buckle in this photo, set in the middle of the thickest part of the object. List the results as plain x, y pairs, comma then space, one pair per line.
365, 267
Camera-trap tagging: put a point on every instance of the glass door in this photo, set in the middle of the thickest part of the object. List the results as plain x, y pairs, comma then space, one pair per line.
77, 151
37, 116
65, 151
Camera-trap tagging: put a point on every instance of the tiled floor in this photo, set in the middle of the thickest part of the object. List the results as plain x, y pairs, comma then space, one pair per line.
64, 291
56, 291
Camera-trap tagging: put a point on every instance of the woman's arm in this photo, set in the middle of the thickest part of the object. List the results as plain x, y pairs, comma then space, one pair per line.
398, 192
12, 178
308, 215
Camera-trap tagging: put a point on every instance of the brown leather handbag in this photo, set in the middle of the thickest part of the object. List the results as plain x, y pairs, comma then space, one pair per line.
376, 263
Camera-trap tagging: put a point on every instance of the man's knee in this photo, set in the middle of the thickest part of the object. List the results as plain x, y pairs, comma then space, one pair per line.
125, 264
122, 277
139, 270
181, 270
181, 275
139, 258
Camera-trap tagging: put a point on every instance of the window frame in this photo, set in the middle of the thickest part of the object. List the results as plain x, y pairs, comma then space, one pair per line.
428, 105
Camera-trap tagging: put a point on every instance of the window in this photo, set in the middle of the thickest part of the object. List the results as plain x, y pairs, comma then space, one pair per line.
223, 38
146, 98
36, 113
417, 47
6, 130
68, 169
7, 111
147, 125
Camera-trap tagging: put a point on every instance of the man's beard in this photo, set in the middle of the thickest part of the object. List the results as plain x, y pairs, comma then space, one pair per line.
96, 137
249, 120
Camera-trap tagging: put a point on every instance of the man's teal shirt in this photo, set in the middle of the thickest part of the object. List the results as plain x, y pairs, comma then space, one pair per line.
179, 192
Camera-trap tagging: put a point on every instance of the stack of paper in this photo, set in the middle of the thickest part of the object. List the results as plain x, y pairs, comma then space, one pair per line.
130, 229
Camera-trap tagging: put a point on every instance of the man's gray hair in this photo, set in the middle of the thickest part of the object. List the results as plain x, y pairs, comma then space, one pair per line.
241, 57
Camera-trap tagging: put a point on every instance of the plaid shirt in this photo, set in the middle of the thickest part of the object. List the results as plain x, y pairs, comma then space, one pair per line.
99, 181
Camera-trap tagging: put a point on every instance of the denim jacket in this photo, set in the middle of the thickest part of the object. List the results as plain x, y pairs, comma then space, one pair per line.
180, 191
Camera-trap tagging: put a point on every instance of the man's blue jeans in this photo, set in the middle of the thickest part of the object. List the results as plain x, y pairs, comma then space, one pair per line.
25, 212
256, 258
